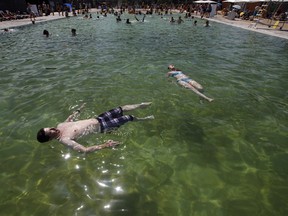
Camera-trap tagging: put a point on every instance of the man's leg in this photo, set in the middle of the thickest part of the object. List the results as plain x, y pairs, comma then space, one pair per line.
111, 114
118, 112
143, 119
135, 106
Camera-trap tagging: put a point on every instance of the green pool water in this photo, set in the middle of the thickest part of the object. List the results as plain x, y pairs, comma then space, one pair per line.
225, 158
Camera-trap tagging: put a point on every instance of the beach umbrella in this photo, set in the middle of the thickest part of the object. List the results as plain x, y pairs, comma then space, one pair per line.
231, 1
69, 6
205, 2
237, 1
238, 7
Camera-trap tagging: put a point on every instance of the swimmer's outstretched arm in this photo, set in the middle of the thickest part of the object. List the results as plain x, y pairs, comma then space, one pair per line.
75, 113
169, 73
80, 148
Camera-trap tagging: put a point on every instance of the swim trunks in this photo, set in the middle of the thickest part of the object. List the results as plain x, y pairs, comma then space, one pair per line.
113, 118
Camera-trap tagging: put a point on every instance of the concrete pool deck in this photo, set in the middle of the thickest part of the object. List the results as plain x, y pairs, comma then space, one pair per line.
260, 26
10, 24
244, 24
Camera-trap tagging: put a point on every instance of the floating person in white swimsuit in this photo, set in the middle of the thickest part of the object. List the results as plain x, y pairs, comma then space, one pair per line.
187, 82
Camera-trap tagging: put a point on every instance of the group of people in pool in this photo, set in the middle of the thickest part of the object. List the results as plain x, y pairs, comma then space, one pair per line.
70, 130
180, 20
118, 19
172, 20
47, 34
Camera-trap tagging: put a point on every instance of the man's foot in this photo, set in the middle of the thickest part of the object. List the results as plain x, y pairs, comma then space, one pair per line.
145, 104
151, 117
135, 106
145, 118
210, 100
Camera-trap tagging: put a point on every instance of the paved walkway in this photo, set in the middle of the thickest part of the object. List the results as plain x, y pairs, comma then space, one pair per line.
261, 27
245, 24
22, 22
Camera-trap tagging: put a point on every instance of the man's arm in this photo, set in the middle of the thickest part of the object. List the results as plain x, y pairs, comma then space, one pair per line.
75, 113
80, 148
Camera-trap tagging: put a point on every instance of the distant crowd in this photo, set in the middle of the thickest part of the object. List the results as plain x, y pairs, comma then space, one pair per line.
44, 9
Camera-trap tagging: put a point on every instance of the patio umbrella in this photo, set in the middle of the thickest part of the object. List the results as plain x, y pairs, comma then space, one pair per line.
237, 1
69, 6
238, 7
205, 2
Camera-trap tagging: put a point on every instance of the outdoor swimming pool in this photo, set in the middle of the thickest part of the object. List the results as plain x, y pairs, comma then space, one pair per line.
228, 157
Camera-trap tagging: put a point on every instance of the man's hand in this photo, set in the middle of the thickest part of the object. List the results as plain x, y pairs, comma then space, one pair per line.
75, 113
112, 143
81, 107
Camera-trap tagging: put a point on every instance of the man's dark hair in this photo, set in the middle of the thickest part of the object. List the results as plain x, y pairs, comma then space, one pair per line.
42, 137
45, 32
